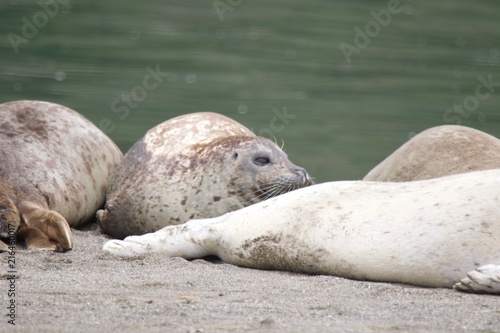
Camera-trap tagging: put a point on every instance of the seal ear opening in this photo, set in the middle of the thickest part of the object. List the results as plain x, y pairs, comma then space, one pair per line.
235, 156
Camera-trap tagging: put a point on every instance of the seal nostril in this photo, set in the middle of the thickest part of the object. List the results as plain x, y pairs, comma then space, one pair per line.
303, 173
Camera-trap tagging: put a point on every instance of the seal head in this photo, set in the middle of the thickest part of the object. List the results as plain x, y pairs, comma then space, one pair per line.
257, 168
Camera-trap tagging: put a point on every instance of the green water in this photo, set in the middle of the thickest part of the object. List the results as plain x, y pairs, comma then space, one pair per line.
265, 58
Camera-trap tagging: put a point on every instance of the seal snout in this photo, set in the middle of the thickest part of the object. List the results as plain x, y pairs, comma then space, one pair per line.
306, 179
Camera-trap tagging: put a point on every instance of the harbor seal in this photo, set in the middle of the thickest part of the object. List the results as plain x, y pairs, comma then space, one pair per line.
439, 151
197, 165
356, 229
54, 170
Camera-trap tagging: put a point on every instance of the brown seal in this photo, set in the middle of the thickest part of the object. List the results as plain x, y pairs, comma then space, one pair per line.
54, 173
194, 166
437, 152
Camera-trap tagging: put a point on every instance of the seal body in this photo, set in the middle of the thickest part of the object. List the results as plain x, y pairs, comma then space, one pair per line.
439, 151
54, 172
198, 165
354, 229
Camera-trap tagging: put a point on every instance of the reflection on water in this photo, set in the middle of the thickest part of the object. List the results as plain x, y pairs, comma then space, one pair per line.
342, 83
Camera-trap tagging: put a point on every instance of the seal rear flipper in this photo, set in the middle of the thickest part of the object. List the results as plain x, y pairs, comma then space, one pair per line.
484, 279
50, 223
35, 239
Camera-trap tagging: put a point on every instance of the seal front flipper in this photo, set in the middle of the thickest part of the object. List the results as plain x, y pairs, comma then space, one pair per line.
124, 249
484, 279
49, 223
186, 241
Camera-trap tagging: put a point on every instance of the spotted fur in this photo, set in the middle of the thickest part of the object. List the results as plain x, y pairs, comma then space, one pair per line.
55, 160
194, 166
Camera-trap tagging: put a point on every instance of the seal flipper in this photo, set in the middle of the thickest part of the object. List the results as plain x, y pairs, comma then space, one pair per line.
484, 279
185, 240
101, 215
111, 218
35, 239
48, 222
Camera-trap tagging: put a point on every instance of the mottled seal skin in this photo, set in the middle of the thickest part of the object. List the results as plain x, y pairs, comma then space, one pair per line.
194, 166
54, 172
437, 152
434, 233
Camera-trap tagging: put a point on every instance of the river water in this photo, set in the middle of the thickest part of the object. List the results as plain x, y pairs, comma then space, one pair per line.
341, 83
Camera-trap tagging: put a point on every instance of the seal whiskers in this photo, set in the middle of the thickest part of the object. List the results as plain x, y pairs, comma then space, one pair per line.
273, 190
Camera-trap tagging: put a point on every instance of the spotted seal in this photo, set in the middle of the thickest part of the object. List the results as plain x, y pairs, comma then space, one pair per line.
356, 229
439, 151
54, 173
197, 165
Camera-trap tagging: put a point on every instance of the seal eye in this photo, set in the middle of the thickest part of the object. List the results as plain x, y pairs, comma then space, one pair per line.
261, 161
235, 156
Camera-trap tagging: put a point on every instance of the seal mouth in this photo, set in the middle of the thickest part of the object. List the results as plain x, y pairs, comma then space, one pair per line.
271, 191
281, 186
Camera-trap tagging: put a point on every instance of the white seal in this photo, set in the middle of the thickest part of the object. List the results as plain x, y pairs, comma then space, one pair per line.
428, 233
437, 152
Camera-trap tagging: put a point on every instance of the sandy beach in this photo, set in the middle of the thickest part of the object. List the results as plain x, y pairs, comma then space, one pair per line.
87, 290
